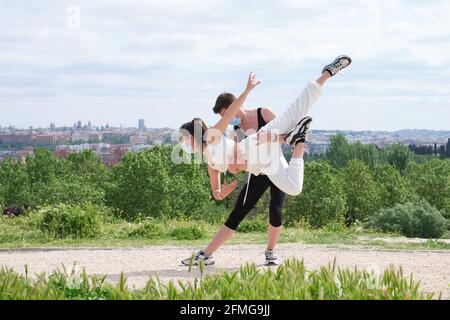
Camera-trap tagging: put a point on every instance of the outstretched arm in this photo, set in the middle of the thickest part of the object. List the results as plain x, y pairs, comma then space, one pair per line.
219, 191
233, 109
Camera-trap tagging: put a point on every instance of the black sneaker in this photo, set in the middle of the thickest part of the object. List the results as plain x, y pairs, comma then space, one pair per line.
271, 258
200, 256
299, 132
337, 65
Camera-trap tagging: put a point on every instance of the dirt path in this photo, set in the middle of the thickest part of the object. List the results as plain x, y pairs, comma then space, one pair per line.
432, 268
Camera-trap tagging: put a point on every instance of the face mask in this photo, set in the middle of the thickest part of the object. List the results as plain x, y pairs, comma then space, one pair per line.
186, 148
235, 122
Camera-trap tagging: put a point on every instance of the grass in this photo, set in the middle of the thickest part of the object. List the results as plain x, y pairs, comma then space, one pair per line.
290, 281
22, 232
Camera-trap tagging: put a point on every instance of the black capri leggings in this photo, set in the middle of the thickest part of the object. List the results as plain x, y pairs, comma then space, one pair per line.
258, 185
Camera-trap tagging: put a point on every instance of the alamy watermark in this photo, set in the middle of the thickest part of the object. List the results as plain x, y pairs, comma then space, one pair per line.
73, 18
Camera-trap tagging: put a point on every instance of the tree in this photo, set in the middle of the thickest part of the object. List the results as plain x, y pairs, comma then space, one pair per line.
148, 183
393, 187
397, 155
14, 188
431, 181
140, 184
322, 200
338, 153
361, 191
341, 152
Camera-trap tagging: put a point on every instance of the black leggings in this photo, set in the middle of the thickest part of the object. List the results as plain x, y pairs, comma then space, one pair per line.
258, 185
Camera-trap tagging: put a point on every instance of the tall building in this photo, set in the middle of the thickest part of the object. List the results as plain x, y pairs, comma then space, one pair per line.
52, 126
448, 147
141, 124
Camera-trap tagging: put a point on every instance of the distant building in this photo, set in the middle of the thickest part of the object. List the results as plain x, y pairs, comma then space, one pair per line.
134, 140
45, 139
52, 126
16, 138
448, 147
80, 136
141, 124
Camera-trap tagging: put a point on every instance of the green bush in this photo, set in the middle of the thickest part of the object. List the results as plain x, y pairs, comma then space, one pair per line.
411, 219
322, 199
397, 155
431, 181
188, 231
14, 183
393, 188
149, 228
148, 183
360, 190
253, 225
340, 152
72, 221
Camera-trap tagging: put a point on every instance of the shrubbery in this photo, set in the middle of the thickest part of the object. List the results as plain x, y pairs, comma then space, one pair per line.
361, 191
353, 183
431, 181
411, 219
393, 188
149, 228
72, 221
253, 225
322, 199
149, 184
188, 231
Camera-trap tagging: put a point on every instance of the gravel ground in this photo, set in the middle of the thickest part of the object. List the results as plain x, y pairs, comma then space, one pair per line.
432, 268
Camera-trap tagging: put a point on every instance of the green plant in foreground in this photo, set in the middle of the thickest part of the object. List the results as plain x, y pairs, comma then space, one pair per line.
290, 281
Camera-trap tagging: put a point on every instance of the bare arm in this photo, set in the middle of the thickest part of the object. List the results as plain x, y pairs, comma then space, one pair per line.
267, 114
214, 180
219, 191
234, 108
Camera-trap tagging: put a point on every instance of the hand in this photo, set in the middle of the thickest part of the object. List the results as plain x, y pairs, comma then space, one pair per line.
227, 188
252, 82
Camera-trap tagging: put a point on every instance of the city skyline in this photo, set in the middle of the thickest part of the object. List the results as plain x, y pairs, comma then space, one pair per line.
165, 62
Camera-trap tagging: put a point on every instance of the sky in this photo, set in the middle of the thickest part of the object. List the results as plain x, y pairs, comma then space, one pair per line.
115, 61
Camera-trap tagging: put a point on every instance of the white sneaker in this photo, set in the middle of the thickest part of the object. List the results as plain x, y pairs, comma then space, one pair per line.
337, 65
271, 258
200, 256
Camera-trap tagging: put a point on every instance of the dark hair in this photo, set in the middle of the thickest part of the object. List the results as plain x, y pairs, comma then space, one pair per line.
194, 127
223, 101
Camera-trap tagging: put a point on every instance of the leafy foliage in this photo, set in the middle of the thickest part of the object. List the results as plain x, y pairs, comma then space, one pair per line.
290, 281
431, 181
149, 184
322, 199
393, 188
411, 219
68, 221
361, 191
398, 156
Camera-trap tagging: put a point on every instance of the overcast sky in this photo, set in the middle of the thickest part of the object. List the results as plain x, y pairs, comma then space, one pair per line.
166, 61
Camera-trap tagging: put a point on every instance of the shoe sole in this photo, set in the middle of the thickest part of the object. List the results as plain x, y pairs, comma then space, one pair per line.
272, 263
297, 129
195, 264
336, 61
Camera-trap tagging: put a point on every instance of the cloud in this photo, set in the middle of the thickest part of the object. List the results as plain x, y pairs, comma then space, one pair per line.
167, 60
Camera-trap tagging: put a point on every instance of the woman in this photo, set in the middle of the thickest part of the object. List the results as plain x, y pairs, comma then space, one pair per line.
258, 153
